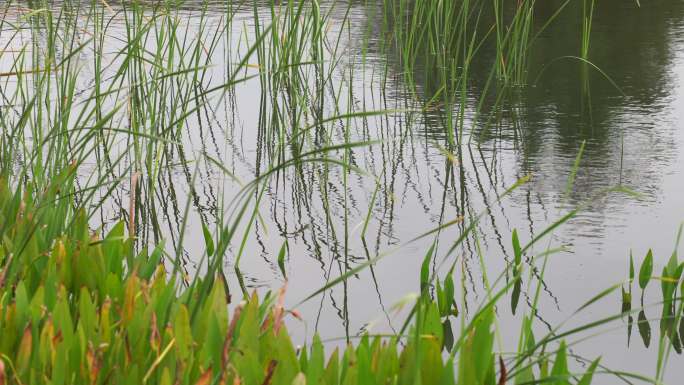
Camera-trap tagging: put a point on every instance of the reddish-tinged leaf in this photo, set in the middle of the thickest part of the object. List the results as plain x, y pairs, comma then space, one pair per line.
269, 372
155, 337
205, 378
279, 310
3, 378
503, 375
229, 336
93, 364
297, 315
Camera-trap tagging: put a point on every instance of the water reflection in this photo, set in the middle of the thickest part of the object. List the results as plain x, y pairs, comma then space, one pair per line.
414, 179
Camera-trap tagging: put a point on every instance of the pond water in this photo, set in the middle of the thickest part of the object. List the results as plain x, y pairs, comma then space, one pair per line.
627, 112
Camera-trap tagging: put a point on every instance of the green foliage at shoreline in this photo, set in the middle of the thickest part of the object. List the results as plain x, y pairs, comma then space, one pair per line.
77, 308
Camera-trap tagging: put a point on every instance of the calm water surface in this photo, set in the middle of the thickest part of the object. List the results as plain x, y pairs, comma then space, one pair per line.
633, 137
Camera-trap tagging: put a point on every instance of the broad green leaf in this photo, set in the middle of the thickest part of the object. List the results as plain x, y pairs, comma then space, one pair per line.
441, 300
332, 370
515, 296
524, 376
589, 374
315, 366
208, 240
22, 303
449, 292
147, 269
560, 366
448, 335
626, 301
182, 332
672, 267
425, 269
517, 251
24, 350
281, 259
644, 328
300, 379
646, 270
87, 313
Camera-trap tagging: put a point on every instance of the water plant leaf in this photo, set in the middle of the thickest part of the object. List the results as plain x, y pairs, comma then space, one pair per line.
515, 296
644, 328
332, 370
676, 341
24, 351
208, 240
425, 270
517, 251
646, 270
524, 376
281, 259
448, 335
503, 373
449, 294
589, 374
441, 300
3, 374
205, 378
476, 362
626, 301
148, 267
182, 332
672, 267
631, 269
300, 379
560, 366
316, 365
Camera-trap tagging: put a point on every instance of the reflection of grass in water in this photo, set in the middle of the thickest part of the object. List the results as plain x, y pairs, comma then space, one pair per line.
444, 45
73, 140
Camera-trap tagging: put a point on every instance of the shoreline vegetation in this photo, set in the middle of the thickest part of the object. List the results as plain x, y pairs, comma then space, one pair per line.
81, 308
81, 305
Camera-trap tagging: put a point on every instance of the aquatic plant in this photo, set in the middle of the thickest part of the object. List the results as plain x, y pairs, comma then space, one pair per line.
671, 323
81, 308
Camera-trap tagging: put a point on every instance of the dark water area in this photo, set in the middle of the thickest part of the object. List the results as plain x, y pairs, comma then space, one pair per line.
625, 109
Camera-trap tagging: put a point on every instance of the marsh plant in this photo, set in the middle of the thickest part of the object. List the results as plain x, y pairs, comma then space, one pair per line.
79, 306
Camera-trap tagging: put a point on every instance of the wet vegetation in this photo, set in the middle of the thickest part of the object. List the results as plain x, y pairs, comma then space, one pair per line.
156, 155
